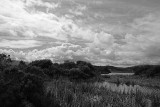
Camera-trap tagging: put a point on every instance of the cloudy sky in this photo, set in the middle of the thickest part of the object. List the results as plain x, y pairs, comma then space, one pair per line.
104, 32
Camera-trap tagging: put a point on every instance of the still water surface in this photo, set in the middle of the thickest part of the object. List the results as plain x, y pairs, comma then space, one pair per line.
118, 74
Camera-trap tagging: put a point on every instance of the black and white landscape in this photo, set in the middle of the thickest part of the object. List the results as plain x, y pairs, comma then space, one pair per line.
79, 53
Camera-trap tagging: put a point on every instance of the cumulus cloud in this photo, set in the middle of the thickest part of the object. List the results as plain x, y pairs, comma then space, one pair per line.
58, 53
66, 51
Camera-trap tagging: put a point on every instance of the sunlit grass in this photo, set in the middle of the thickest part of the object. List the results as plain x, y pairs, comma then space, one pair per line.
72, 94
135, 80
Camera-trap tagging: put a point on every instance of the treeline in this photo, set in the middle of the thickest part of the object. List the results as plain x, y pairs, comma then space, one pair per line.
22, 85
147, 70
141, 70
102, 69
120, 69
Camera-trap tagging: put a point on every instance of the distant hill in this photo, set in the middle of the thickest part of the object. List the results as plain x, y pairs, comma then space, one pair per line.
114, 69
102, 69
147, 70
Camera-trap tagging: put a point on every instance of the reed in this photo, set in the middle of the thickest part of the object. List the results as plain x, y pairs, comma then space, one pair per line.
71, 94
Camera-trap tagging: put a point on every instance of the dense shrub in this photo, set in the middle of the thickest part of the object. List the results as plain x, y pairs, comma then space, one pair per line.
83, 63
22, 65
147, 70
76, 73
155, 71
45, 63
68, 65
53, 71
22, 85
35, 70
10, 73
87, 70
5, 61
10, 96
141, 69
102, 69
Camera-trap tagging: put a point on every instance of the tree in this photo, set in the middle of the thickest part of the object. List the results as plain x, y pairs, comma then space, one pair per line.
86, 67
76, 73
22, 65
5, 61
35, 70
68, 64
45, 63
53, 71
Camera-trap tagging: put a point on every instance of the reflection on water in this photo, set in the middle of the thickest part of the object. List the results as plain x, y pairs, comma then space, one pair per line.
118, 74
124, 89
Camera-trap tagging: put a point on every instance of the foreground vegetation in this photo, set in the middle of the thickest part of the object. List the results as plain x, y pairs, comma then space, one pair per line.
42, 83
71, 94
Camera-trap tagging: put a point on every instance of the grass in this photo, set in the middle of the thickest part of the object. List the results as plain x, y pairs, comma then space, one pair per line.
135, 80
65, 93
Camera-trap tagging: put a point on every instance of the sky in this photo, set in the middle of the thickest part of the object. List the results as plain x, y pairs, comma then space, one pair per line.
103, 32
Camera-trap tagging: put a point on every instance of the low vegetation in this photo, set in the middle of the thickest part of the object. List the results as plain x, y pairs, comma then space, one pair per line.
135, 80
42, 83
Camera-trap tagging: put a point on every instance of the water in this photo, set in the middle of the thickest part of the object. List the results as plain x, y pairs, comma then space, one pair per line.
118, 74
124, 89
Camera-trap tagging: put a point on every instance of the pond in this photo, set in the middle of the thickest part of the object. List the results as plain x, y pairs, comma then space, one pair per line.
118, 74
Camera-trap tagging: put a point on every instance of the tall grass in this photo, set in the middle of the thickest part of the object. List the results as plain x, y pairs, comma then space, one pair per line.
135, 80
71, 94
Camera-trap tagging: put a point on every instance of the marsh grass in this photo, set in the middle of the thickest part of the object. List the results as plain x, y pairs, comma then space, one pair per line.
135, 80
72, 94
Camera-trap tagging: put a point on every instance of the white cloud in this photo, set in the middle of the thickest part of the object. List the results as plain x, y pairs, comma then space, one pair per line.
18, 19
19, 44
58, 54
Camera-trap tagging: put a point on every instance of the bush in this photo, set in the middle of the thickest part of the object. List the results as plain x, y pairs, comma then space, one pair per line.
35, 70
87, 70
10, 96
147, 70
22, 65
45, 63
102, 70
32, 88
5, 61
11, 73
53, 71
76, 73
68, 65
